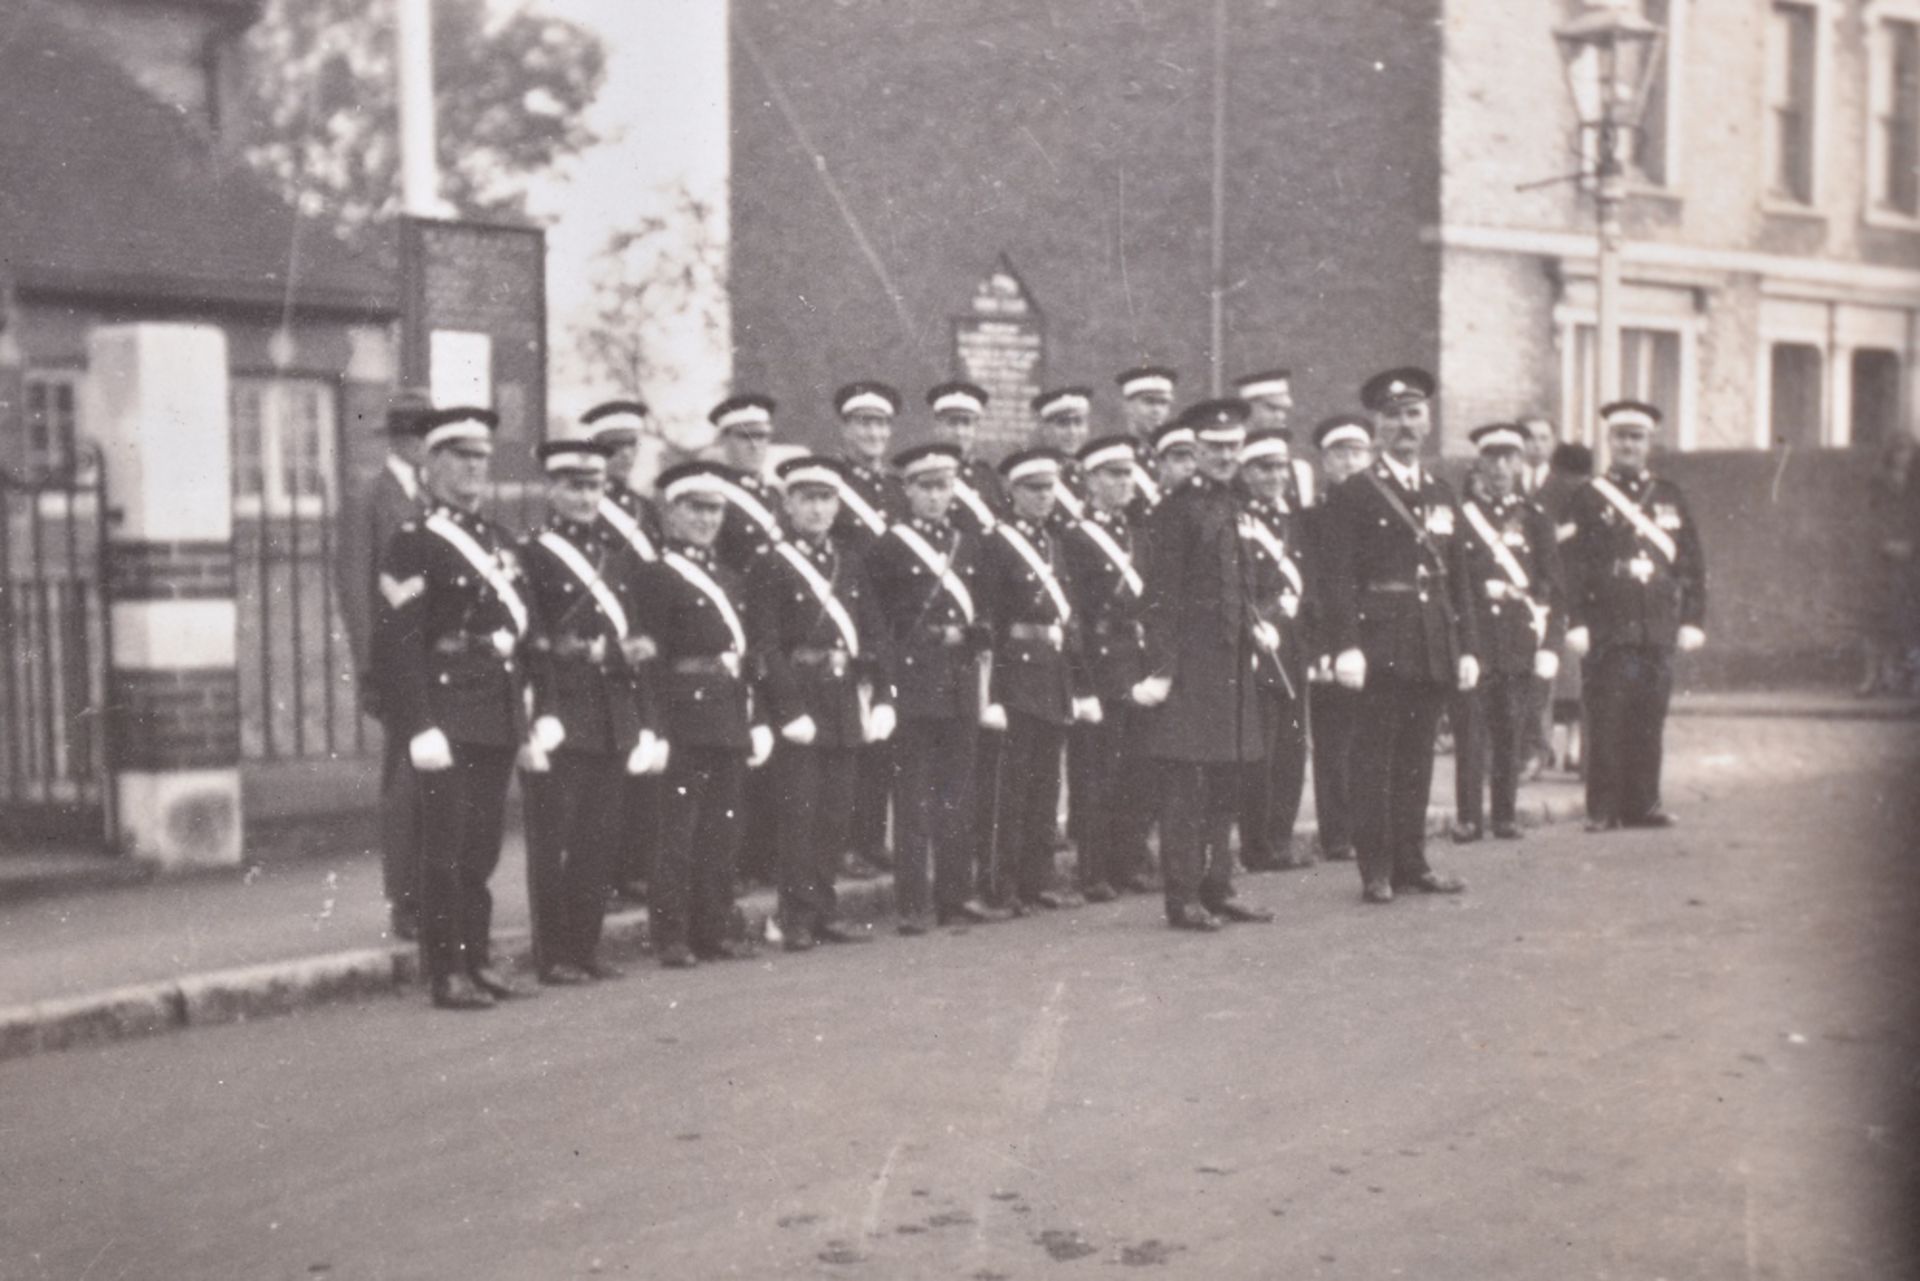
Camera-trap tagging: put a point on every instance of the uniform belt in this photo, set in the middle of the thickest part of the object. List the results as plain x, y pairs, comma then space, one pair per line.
500, 643
591, 651
834, 660
947, 635
1393, 587
711, 665
1049, 634
1641, 567
1127, 627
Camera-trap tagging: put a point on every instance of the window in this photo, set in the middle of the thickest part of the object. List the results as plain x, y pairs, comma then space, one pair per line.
1650, 364
1796, 406
1893, 160
53, 429
283, 446
1653, 147
1792, 47
1875, 415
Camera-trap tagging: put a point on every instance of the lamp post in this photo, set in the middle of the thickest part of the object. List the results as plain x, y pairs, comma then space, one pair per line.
1609, 53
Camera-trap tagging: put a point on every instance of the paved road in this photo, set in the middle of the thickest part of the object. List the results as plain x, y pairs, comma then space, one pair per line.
1679, 1055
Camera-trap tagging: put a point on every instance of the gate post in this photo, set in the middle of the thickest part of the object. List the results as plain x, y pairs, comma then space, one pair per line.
157, 397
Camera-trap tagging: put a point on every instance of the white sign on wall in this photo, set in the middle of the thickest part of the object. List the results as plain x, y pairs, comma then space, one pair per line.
460, 368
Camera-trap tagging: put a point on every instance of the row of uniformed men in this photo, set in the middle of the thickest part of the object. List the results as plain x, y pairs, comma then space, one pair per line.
940, 631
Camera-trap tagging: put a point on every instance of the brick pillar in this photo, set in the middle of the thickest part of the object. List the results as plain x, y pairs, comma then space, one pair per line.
157, 403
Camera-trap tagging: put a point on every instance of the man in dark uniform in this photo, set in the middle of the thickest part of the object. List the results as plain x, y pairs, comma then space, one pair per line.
924, 575
1200, 650
447, 641
1637, 591
393, 500
1272, 787
979, 499
871, 500
1060, 419
1513, 576
1400, 625
1146, 405
692, 607
1106, 559
634, 529
1174, 453
752, 523
1036, 687
820, 639
590, 726
1345, 442
1270, 392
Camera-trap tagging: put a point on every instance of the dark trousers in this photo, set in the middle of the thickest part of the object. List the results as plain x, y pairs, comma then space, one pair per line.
1108, 815
758, 862
988, 813
814, 788
572, 813
1270, 789
1334, 712
1030, 750
638, 828
1393, 775
690, 898
934, 792
461, 810
399, 825
873, 787
1627, 688
1198, 802
1490, 729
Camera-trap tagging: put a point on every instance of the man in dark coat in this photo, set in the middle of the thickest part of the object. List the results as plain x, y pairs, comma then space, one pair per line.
980, 500
1513, 575
1400, 624
1146, 405
744, 424
1345, 442
1637, 591
1200, 632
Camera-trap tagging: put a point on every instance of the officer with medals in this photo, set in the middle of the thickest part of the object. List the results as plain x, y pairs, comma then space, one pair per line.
1060, 427
979, 500
1270, 393
1345, 443
590, 716
1637, 591
1036, 686
1202, 643
1106, 556
453, 618
823, 645
1401, 627
1513, 575
1146, 405
752, 524
634, 528
693, 608
1272, 787
871, 500
925, 576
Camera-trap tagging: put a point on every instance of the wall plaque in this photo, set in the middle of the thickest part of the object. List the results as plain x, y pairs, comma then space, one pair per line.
1000, 344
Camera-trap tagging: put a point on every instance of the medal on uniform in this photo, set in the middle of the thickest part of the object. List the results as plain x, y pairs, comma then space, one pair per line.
1641, 567
1440, 522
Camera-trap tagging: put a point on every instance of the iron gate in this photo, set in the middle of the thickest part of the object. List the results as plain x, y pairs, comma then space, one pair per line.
54, 645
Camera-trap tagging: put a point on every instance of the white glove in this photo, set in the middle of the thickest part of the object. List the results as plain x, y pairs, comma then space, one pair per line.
1579, 641
663, 751
800, 730
993, 717
549, 733
1321, 673
880, 723
1088, 710
533, 758
1350, 668
430, 751
1546, 664
1266, 635
1691, 638
640, 759
1153, 691
762, 746
1469, 672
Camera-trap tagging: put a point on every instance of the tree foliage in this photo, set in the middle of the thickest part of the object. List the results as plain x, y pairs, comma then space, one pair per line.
653, 282
511, 95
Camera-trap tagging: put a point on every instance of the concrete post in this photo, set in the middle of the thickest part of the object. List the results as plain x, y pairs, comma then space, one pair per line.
156, 399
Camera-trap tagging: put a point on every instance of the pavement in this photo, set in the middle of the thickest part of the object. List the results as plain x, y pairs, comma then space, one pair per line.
1684, 1053
100, 958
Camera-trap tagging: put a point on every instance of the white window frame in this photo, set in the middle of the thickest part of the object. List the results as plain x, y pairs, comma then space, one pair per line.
1569, 320
1673, 54
73, 379
275, 501
1837, 329
1825, 15
1877, 17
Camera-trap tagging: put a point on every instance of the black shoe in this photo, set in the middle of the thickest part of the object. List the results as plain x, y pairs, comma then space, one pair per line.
979, 912
564, 975
1377, 890
1464, 833
498, 985
1342, 855
1293, 862
798, 939
725, 950
1192, 916
630, 893
858, 869
602, 971
404, 924
828, 932
459, 992
1231, 911
1047, 899
1657, 819
1099, 892
1259, 862
677, 956
1603, 825
912, 926
1435, 883
1507, 831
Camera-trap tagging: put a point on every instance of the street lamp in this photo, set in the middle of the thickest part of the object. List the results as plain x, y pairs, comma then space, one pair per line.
1610, 53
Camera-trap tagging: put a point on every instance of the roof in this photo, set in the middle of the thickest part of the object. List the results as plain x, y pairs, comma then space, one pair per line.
110, 192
